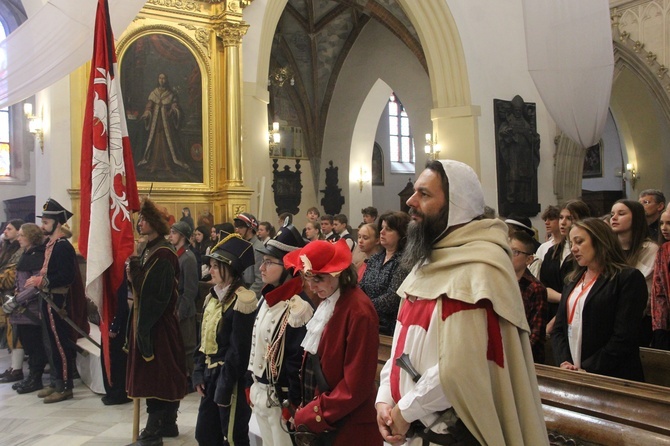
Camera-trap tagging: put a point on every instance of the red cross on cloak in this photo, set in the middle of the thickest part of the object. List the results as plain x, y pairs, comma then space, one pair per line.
419, 312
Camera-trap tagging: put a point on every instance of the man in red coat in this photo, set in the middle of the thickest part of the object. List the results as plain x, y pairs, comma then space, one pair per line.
340, 363
156, 362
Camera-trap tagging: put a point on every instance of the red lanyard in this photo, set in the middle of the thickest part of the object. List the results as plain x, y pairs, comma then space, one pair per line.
585, 289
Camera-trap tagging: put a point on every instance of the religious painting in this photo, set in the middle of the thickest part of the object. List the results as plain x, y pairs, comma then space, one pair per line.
593, 161
377, 165
162, 87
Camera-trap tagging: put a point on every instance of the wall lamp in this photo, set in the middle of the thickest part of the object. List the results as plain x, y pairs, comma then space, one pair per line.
364, 177
431, 148
35, 124
631, 175
274, 138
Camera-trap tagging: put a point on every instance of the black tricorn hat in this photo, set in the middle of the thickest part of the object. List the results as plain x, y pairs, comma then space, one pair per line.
233, 250
53, 210
287, 239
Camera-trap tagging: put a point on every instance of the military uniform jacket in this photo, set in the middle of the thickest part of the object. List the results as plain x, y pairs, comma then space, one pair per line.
225, 342
280, 326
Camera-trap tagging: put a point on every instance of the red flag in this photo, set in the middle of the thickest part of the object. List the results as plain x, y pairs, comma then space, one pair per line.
108, 184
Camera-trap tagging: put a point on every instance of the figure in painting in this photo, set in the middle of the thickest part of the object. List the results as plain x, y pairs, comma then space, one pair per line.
519, 144
162, 118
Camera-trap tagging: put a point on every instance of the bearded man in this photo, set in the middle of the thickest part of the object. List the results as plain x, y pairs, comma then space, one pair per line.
156, 367
461, 362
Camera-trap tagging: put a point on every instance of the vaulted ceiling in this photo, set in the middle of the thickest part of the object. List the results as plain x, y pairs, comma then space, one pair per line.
312, 40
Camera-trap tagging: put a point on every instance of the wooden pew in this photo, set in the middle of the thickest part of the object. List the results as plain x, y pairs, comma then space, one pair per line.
656, 365
586, 409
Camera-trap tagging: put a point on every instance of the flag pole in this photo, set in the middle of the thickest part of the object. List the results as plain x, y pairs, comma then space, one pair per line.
136, 401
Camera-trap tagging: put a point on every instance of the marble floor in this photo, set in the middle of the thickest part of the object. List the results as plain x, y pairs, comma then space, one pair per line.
83, 420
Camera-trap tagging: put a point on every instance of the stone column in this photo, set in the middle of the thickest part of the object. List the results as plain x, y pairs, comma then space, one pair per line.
568, 168
457, 134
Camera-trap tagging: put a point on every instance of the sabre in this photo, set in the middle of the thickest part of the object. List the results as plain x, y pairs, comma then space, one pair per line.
61, 312
404, 363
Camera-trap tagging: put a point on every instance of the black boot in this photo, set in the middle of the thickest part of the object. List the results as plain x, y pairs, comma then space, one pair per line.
168, 426
20, 383
150, 436
31, 384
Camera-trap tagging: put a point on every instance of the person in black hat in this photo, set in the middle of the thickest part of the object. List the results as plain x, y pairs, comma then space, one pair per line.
246, 226
187, 289
56, 278
275, 360
156, 362
220, 360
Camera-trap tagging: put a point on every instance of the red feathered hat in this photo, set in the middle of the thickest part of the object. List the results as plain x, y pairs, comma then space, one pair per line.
320, 257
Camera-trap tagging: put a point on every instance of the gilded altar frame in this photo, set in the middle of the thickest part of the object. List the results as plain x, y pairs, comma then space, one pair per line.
212, 34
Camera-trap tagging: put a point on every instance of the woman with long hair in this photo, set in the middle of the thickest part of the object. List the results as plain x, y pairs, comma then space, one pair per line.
338, 371
221, 359
660, 290
597, 324
629, 224
558, 262
368, 245
313, 231
276, 353
202, 244
384, 274
26, 314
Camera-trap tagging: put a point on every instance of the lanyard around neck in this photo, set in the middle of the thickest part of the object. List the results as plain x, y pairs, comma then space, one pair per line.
585, 288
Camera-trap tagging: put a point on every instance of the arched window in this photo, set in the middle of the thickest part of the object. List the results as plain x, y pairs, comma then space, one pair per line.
401, 143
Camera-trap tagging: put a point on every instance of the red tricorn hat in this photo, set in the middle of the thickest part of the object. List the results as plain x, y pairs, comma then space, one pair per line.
320, 257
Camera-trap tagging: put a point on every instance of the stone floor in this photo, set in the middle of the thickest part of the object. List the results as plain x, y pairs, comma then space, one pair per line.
83, 420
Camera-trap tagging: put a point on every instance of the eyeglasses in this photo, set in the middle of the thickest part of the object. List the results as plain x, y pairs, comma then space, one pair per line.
647, 202
516, 252
270, 262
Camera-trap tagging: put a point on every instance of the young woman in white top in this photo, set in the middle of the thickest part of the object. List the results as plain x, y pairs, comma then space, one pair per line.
629, 224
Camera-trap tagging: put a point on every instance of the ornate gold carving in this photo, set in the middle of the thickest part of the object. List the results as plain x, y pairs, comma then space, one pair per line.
176, 4
232, 33
638, 46
233, 5
624, 35
201, 34
238, 209
662, 70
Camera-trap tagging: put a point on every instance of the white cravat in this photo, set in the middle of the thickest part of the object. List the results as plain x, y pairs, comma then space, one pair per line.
318, 322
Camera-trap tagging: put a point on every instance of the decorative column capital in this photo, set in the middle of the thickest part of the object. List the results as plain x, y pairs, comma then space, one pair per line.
231, 33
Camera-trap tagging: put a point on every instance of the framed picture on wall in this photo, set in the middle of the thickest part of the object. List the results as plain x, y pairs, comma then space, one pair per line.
593, 161
377, 165
162, 88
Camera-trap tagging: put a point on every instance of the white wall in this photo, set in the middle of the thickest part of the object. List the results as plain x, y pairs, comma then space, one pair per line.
53, 168
493, 40
376, 55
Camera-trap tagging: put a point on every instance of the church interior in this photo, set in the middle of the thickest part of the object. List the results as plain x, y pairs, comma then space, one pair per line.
338, 104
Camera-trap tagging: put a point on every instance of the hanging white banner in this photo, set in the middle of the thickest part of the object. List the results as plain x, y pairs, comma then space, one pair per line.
571, 61
52, 43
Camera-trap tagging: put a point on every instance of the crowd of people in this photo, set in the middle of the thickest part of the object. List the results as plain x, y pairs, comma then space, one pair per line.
289, 328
